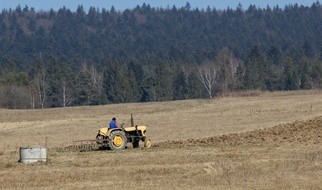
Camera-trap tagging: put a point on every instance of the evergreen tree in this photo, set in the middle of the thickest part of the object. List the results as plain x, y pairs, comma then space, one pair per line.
274, 69
135, 78
116, 84
148, 86
163, 77
291, 77
254, 70
316, 74
110, 82
180, 86
54, 83
85, 91
195, 90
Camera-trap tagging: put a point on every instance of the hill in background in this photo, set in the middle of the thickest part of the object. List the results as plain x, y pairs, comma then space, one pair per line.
63, 58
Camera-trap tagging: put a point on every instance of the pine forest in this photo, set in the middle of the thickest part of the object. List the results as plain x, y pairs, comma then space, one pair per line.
60, 58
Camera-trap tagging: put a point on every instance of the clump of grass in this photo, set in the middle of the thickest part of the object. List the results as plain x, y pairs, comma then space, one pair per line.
2, 151
8, 165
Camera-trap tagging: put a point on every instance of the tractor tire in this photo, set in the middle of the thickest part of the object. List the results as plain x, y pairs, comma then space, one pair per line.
117, 140
147, 143
136, 144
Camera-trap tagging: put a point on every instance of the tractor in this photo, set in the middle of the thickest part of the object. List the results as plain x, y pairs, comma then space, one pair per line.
117, 138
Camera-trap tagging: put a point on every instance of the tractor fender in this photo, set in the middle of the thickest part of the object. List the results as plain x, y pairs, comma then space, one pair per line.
106, 131
111, 130
103, 131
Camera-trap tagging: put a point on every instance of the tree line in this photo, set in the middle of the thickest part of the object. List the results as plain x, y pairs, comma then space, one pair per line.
64, 58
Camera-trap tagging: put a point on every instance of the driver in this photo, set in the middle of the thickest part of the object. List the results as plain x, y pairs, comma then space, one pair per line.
113, 124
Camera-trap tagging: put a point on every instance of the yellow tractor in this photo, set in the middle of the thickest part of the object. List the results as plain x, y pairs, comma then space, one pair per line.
117, 138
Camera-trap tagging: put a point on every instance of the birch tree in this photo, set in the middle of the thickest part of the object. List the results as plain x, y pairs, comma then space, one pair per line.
67, 93
207, 76
40, 82
97, 80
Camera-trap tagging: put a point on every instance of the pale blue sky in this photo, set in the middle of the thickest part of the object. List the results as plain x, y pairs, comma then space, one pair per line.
123, 4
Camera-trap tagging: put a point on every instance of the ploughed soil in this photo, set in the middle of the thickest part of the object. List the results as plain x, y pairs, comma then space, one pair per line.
300, 131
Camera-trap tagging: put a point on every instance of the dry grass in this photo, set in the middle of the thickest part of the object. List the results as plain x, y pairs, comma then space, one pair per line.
236, 167
264, 165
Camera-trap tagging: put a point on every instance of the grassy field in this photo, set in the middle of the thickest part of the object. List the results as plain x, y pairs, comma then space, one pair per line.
269, 141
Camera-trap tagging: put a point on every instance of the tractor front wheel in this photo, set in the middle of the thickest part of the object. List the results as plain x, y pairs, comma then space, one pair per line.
147, 143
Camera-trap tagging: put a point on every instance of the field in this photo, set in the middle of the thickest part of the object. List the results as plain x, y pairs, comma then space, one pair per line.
246, 141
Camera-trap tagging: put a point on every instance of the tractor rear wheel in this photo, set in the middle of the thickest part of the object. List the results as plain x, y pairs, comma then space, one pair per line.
117, 140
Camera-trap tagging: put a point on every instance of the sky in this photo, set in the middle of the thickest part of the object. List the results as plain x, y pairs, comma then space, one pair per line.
128, 4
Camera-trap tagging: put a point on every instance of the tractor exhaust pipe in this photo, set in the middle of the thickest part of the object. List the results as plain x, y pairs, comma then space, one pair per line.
132, 121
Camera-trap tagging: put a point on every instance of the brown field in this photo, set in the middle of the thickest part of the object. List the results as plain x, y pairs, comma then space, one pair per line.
269, 141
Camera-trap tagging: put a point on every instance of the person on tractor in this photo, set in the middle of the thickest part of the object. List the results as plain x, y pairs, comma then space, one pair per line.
113, 124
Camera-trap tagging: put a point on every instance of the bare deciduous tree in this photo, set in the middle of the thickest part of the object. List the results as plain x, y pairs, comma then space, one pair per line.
97, 79
41, 84
67, 93
207, 76
227, 70
32, 92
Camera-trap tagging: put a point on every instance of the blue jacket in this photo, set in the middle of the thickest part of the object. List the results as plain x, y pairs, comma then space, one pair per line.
113, 124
